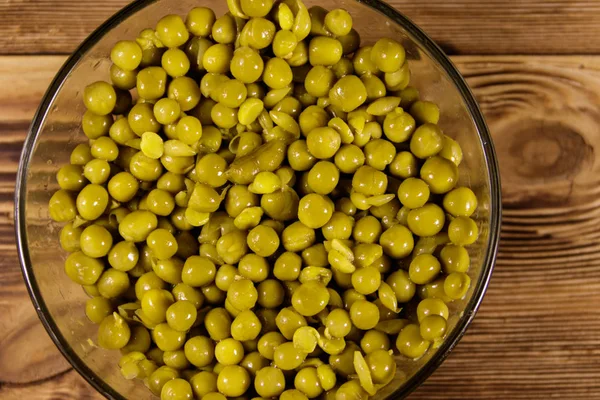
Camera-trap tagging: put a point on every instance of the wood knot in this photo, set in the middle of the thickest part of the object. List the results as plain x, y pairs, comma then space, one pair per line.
547, 150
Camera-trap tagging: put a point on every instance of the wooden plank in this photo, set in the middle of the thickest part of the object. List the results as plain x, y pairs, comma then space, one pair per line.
543, 115
535, 336
459, 26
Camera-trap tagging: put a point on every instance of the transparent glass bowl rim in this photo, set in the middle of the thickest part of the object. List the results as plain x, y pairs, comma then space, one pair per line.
427, 45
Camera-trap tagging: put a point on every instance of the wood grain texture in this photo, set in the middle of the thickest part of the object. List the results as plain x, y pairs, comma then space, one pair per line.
20, 328
459, 26
536, 334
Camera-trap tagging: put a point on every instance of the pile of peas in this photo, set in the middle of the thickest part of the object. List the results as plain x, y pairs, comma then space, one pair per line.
259, 201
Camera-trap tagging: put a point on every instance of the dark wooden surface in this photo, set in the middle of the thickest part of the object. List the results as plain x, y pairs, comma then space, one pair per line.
536, 335
459, 26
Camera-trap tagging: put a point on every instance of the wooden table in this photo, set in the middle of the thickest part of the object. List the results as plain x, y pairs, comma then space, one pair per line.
532, 64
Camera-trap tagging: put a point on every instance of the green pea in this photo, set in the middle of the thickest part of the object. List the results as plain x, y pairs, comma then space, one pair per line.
433, 328
185, 91
204, 383
147, 282
427, 220
388, 55
175, 62
160, 377
451, 150
258, 33
307, 381
141, 119
216, 58
166, 111
277, 73
232, 246
233, 381
423, 269
91, 202
100, 98
348, 93
70, 237
121, 133
181, 315
177, 360
151, 83
440, 174
410, 343
299, 156
253, 266
123, 187
269, 382
113, 283
460, 202
81, 154
404, 165
168, 270
246, 65
256, 8
160, 202
223, 30
350, 42
246, 326
366, 280
373, 341
223, 116
113, 332
426, 141
232, 93
323, 142
431, 306
167, 338
95, 126
229, 352
413, 193
242, 294
338, 22
162, 243
284, 43
381, 365
455, 258
364, 315
425, 112
171, 31
200, 21
399, 79
122, 79
71, 177
123, 256
218, 323
287, 357
137, 225
98, 308
198, 271
369, 181
379, 153
105, 148
363, 63
95, 241
463, 231
397, 241
315, 210
398, 126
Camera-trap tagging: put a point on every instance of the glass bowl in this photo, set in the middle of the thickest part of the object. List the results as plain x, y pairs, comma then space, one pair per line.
55, 130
